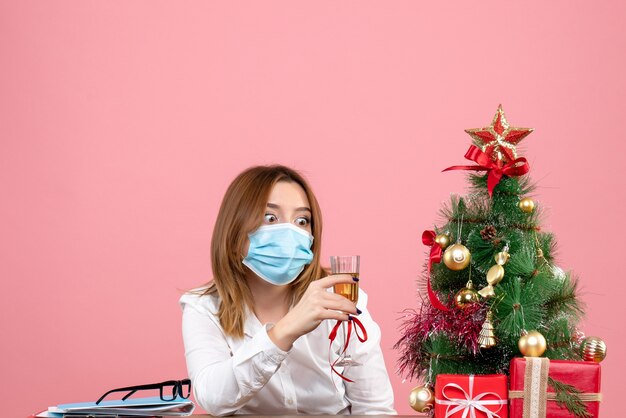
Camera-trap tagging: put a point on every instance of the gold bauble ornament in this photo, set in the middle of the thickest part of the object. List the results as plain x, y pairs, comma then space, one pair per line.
487, 338
593, 349
422, 399
532, 344
527, 205
443, 240
466, 296
457, 257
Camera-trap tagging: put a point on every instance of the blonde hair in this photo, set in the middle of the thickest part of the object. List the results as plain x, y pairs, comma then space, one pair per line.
241, 212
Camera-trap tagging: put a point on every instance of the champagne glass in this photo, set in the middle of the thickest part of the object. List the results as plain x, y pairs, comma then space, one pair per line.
346, 265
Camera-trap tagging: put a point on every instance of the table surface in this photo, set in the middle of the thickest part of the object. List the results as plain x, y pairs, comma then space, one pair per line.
297, 416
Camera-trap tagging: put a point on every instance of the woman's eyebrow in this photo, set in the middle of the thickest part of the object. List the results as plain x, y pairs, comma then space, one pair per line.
300, 209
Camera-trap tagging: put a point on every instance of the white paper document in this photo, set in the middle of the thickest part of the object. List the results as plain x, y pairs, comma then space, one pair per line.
137, 407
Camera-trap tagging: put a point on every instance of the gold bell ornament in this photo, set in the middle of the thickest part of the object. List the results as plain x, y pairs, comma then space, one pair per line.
487, 338
457, 257
532, 344
527, 205
466, 296
495, 273
422, 399
593, 349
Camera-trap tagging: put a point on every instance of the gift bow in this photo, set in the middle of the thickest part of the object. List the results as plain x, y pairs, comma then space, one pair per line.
428, 238
470, 404
496, 169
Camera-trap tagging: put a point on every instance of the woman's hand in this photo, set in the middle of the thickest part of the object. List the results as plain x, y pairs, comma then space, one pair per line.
316, 305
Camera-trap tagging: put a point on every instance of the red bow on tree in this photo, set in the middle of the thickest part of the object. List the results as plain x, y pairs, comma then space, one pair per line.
496, 169
428, 238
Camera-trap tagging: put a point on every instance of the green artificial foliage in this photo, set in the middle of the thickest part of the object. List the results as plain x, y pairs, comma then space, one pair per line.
563, 300
567, 396
517, 307
534, 294
447, 357
560, 332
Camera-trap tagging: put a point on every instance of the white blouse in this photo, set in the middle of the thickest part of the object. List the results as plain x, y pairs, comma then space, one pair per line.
253, 376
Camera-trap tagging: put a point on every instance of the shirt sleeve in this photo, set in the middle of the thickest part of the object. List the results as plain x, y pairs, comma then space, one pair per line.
223, 382
371, 392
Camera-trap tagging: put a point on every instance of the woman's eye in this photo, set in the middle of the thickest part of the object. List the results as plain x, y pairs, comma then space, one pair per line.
302, 221
270, 218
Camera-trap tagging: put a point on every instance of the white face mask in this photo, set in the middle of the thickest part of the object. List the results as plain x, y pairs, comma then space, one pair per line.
279, 252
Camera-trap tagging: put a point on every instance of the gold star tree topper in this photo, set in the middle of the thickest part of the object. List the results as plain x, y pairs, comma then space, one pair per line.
499, 139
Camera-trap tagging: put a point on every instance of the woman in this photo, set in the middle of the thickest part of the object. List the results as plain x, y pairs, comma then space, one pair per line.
256, 337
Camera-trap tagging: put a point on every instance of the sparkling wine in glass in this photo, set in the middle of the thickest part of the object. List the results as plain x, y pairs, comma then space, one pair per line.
346, 265
348, 290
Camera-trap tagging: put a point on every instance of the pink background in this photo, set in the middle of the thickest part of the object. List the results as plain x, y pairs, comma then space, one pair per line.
122, 123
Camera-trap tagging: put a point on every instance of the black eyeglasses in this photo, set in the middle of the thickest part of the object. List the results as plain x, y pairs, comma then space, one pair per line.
168, 390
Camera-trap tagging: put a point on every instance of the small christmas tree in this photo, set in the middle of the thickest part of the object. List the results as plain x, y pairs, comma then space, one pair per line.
493, 289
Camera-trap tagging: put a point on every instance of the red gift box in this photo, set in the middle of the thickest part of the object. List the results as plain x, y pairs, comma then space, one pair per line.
583, 375
479, 396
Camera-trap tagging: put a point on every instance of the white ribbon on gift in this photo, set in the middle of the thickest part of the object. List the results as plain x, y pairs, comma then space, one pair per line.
470, 404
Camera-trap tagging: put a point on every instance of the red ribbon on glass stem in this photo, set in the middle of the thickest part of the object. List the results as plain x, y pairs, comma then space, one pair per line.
428, 238
496, 169
333, 335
